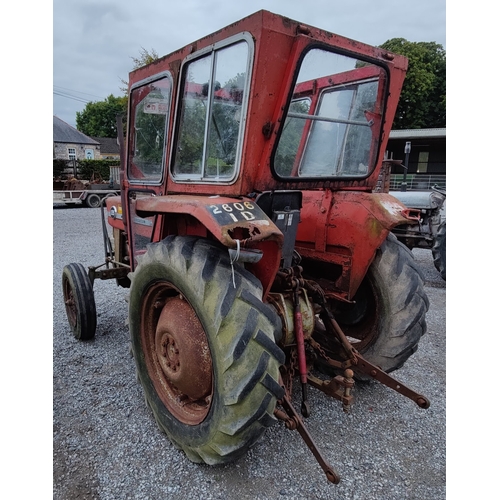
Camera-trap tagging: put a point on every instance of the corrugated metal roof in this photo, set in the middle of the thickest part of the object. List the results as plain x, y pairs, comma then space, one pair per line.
66, 133
422, 133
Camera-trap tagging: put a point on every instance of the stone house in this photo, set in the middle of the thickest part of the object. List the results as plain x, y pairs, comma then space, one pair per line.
70, 144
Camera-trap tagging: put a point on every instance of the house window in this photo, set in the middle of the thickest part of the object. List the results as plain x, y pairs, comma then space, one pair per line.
423, 160
72, 153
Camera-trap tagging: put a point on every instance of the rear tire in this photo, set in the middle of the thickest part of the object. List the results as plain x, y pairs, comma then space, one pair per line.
388, 319
204, 349
79, 301
439, 250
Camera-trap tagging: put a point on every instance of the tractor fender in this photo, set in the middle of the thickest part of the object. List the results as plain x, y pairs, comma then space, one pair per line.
237, 223
346, 228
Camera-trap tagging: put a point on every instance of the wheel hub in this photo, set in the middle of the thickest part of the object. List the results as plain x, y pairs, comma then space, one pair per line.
177, 355
182, 349
69, 302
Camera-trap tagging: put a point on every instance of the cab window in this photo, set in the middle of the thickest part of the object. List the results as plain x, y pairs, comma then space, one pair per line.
332, 127
212, 105
150, 109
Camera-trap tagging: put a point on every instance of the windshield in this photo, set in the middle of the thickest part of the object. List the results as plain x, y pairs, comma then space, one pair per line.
333, 123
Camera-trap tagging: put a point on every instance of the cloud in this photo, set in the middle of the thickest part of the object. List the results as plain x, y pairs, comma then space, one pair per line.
94, 41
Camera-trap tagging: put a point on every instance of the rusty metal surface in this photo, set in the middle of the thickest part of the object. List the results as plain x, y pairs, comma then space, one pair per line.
176, 353
345, 228
298, 424
339, 387
234, 222
364, 366
69, 302
226, 218
283, 303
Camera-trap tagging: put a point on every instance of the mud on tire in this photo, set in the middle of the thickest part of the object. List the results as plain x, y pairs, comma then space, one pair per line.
222, 419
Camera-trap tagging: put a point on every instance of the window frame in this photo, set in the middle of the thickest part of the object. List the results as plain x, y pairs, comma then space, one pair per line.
382, 92
130, 126
349, 123
211, 49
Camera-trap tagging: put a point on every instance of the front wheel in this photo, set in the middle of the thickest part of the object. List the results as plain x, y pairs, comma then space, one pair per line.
204, 348
79, 301
439, 250
387, 318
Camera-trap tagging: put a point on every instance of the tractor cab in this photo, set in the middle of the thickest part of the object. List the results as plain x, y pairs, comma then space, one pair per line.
264, 106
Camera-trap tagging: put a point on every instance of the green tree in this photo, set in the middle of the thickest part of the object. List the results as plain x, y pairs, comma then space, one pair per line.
145, 57
423, 98
98, 119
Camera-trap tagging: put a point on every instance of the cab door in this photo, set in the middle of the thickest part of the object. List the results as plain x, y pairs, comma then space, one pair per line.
149, 116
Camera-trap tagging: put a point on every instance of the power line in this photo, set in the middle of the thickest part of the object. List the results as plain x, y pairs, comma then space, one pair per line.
75, 91
68, 96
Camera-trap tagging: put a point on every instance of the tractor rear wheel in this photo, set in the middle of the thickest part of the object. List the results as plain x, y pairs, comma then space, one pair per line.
439, 250
387, 319
204, 348
79, 301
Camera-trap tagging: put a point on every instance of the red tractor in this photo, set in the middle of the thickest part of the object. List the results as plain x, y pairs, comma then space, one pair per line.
251, 232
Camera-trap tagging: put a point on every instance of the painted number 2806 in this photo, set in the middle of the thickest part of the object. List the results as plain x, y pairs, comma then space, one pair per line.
236, 211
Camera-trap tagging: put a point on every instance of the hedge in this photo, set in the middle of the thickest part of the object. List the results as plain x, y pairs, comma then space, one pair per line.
87, 169
90, 169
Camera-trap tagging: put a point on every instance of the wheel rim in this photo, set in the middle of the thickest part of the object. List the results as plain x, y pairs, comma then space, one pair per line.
69, 302
176, 353
94, 201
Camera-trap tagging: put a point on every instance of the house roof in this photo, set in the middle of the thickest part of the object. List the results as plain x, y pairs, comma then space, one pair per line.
108, 144
66, 133
422, 133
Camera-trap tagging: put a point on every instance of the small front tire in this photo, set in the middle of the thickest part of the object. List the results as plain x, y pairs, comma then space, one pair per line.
79, 301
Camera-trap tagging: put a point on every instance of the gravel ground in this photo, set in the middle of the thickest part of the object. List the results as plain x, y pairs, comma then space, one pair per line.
106, 444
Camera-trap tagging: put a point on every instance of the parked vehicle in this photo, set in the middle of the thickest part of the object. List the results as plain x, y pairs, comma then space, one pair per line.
251, 236
87, 197
430, 232
88, 193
